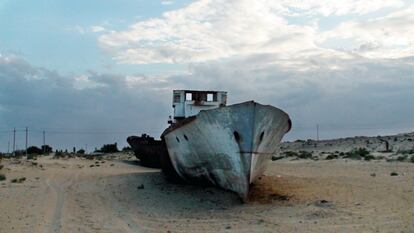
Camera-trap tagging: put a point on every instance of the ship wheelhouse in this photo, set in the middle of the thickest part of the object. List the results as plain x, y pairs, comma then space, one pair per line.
187, 103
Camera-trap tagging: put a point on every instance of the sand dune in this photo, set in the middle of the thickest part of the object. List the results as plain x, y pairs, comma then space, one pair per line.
68, 195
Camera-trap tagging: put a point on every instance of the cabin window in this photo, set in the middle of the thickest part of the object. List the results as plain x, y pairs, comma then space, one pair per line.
210, 97
188, 96
177, 97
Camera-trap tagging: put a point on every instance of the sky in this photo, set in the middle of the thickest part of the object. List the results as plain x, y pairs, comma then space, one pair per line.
94, 72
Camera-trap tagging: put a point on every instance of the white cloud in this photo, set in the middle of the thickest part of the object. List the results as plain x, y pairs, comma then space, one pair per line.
97, 29
205, 30
214, 29
84, 82
391, 36
340, 7
167, 2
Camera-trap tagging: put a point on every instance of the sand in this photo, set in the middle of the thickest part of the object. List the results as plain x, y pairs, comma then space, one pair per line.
68, 195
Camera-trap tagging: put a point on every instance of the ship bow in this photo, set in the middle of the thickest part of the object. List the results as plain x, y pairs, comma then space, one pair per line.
229, 146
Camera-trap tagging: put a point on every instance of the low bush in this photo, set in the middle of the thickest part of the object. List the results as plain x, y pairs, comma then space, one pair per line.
405, 152
2, 177
34, 150
331, 156
81, 152
402, 158
305, 155
290, 154
369, 157
357, 154
274, 158
31, 156
412, 159
18, 180
108, 148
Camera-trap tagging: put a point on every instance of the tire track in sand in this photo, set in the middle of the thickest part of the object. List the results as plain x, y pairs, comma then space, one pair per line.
59, 188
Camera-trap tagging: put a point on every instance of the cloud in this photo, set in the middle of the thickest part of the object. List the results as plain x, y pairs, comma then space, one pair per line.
390, 36
339, 8
97, 29
339, 93
251, 49
208, 30
43, 99
167, 2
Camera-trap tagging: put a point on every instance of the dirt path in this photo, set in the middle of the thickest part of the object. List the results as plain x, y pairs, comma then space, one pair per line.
60, 186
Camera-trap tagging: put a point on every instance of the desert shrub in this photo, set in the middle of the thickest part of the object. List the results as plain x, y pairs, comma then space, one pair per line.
331, 156
32, 156
2, 177
61, 154
357, 154
290, 154
81, 151
46, 149
1, 166
109, 148
18, 180
402, 158
34, 150
369, 157
405, 152
304, 155
274, 158
412, 159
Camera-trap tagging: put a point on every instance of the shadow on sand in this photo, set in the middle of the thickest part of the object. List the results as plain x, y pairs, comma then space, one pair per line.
151, 190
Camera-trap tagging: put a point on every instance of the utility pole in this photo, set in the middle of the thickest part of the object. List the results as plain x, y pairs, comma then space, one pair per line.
14, 141
317, 132
27, 132
44, 141
8, 147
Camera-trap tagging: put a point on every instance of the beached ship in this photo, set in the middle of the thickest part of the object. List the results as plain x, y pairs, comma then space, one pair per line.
227, 146
147, 149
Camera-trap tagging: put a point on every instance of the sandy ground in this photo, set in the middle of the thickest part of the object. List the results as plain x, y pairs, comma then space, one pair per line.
120, 196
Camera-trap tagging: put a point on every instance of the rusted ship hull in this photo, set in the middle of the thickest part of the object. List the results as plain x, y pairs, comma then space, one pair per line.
147, 150
228, 146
